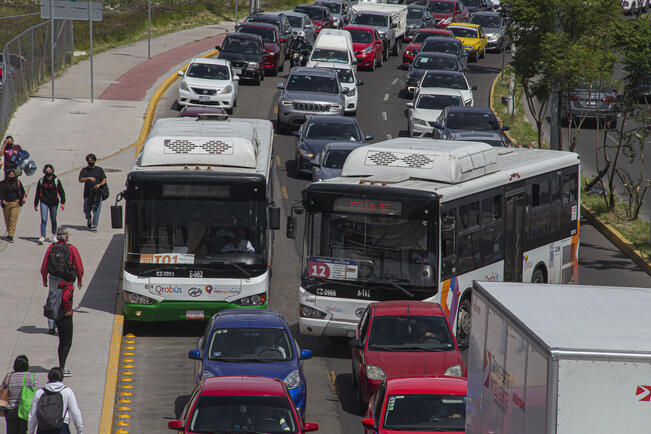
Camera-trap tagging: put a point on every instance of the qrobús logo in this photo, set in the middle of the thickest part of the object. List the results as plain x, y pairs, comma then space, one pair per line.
165, 290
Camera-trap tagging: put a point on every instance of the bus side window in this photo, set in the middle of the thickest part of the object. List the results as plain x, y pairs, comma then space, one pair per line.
448, 235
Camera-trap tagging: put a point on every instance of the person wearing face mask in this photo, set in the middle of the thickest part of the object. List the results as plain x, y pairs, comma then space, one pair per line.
93, 178
12, 197
49, 193
8, 150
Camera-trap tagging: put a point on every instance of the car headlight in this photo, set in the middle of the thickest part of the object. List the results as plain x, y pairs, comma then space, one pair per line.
228, 89
253, 64
252, 300
335, 107
286, 103
352, 92
454, 371
133, 298
446, 21
310, 312
271, 53
184, 86
368, 49
420, 122
374, 373
292, 380
305, 153
492, 36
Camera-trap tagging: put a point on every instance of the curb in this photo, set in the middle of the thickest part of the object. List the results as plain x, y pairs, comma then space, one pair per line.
490, 104
617, 239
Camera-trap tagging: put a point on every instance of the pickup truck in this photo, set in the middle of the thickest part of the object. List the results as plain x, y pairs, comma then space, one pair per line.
389, 20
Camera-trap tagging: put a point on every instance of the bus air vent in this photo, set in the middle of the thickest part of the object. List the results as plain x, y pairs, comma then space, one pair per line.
184, 146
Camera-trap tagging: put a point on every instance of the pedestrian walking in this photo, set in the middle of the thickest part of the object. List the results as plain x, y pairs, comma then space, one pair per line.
8, 150
16, 381
54, 407
64, 324
12, 197
94, 179
62, 261
49, 193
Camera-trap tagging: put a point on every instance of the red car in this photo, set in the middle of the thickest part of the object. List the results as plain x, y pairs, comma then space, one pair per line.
448, 11
320, 16
240, 404
274, 61
418, 404
412, 49
399, 339
367, 46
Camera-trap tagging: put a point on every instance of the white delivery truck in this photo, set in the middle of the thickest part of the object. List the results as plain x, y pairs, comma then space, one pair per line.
559, 359
333, 48
389, 20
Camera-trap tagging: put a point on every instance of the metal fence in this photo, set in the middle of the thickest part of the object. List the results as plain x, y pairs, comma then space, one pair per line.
26, 63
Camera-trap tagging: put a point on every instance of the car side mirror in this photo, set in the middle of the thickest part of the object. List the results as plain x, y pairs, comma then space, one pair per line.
437, 125
368, 137
463, 344
175, 424
218, 47
274, 218
236, 78
310, 426
410, 105
306, 354
394, 25
180, 73
194, 355
280, 85
505, 128
473, 88
368, 423
291, 227
356, 344
360, 82
378, 42
296, 133
309, 26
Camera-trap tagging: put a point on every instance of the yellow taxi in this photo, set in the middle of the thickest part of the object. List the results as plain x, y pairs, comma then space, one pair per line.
473, 38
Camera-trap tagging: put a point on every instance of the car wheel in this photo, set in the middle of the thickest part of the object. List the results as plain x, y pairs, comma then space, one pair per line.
538, 276
379, 60
385, 53
359, 401
396, 48
483, 53
281, 126
353, 377
463, 320
373, 64
475, 57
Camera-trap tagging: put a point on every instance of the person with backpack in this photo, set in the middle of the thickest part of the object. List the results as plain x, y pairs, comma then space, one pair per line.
22, 387
12, 197
54, 407
9, 150
49, 192
94, 179
62, 261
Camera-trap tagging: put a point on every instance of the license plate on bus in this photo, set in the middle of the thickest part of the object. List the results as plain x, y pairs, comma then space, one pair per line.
204, 98
194, 314
237, 71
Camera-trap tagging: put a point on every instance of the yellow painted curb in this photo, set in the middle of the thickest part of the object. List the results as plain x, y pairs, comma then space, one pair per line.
617, 239
110, 385
490, 104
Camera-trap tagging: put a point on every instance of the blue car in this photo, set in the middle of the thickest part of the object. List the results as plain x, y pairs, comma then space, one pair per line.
252, 342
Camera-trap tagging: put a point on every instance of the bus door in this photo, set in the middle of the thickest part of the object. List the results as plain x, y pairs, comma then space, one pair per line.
514, 235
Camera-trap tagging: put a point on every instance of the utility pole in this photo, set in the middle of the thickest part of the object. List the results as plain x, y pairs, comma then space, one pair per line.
554, 133
149, 29
52, 44
90, 20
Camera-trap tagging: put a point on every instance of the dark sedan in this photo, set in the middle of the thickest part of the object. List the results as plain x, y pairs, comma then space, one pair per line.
418, 17
428, 61
246, 53
455, 119
275, 57
330, 162
442, 44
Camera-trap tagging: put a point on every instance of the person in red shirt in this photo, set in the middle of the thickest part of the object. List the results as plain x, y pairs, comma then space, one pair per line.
54, 281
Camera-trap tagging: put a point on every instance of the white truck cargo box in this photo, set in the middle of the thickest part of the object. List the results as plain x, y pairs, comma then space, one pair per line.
559, 359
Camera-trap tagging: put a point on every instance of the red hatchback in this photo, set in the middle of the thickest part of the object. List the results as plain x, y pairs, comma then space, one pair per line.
274, 60
448, 11
412, 49
367, 46
418, 404
240, 404
398, 339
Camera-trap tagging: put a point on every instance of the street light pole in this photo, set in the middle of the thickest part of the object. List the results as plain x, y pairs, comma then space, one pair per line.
52, 44
90, 19
148, 29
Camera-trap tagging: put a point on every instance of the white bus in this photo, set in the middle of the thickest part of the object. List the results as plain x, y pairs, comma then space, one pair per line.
420, 219
199, 211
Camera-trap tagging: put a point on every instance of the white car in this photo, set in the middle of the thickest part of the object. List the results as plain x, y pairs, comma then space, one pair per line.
427, 106
208, 82
450, 80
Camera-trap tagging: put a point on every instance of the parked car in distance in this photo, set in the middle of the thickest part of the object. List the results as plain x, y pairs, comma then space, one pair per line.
197, 111
590, 102
456, 119
275, 57
208, 82
401, 339
448, 11
418, 404
440, 44
430, 61
280, 21
473, 38
449, 80
330, 161
417, 41
367, 45
252, 342
247, 55
494, 139
338, 10
418, 17
320, 16
425, 109
300, 22
240, 404
494, 28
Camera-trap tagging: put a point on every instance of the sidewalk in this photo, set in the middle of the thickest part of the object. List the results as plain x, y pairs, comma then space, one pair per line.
62, 132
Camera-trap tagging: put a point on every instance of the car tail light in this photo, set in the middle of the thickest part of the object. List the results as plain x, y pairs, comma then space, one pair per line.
575, 98
609, 99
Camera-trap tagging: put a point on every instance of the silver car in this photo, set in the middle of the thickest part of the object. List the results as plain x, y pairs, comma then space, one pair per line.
300, 22
309, 91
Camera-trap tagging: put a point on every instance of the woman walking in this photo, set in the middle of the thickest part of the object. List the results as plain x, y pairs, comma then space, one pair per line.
49, 192
12, 197
14, 382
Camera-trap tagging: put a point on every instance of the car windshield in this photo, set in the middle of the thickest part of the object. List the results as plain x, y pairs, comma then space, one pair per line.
332, 130
294, 21
346, 76
486, 21
248, 344
425, 413
264, 20
448, 81
371, 20
410, 333
414, 13
335, 158
234, 45
474, 3
335, 8
210, 72
312, 83
245, 414
440, 7
463, 32
435, 62
325, 55
314, 13
361, 36
472, 121
437, 46
437, 102
268, 35
421, 36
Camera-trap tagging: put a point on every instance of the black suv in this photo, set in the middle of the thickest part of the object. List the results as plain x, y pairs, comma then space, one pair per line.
280, 21
246, 53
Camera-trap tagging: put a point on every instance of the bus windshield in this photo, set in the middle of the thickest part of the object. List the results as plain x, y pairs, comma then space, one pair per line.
377, 248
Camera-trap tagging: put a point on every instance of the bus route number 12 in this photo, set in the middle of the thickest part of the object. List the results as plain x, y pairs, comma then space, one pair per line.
319, 270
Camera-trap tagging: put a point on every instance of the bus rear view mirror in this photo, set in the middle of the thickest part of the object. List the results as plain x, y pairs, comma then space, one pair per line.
274, 218
291, 227
116, 216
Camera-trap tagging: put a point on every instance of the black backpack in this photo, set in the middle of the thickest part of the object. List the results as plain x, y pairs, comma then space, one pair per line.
59, 263
53, 308
49, 412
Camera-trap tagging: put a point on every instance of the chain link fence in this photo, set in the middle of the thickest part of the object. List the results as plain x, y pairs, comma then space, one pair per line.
26, 63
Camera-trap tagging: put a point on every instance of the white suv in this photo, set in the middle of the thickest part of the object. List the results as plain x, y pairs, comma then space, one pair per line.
208, 82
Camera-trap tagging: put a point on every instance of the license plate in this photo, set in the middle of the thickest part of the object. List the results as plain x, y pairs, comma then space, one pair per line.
194, 314
592, 103
237, 71
204, 98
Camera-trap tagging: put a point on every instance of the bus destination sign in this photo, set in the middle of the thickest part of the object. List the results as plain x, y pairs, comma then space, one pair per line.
365, 206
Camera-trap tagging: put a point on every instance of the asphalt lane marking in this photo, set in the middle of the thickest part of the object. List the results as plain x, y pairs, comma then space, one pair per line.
384, 116
278, 161
332, 381
283, 189
388, 136
386, 97
275, 109
395, 80
122, 414
111, 383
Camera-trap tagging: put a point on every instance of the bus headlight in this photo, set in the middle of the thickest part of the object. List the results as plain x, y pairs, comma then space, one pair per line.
374, 373
133, 298
252, 300
454, 371
292, 380
310, 312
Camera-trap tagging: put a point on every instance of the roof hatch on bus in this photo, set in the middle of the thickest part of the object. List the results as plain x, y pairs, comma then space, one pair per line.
446, 161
